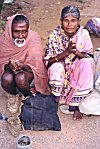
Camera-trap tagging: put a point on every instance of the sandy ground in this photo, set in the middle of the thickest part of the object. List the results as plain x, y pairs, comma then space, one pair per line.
83, 134
44, 16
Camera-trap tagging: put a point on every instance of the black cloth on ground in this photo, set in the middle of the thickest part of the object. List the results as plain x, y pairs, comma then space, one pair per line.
39, 113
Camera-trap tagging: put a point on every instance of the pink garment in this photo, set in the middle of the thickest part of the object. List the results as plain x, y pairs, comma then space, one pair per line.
83, 41
81, 78
83, 68
56, 78
78, 74
30, 54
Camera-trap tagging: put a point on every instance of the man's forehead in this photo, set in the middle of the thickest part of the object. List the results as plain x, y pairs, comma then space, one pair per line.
20, 24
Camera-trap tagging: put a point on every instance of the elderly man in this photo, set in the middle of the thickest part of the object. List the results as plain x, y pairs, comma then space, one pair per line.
21, 60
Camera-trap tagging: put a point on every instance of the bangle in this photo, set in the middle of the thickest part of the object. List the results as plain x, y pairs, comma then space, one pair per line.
74, 51
56, 59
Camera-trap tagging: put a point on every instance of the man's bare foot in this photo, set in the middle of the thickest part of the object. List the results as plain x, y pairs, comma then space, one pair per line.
77, 115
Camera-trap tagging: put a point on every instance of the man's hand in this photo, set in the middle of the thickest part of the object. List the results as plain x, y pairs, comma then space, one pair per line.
15, 65
19, 64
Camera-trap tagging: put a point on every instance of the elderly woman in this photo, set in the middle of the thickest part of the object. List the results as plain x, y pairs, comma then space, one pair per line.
69, 59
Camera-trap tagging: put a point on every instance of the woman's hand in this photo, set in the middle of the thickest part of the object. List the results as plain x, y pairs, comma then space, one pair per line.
71, 47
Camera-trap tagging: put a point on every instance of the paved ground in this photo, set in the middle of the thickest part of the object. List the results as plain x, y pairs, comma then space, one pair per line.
84, 134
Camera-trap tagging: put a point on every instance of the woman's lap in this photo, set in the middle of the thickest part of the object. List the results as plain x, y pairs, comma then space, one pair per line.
81, 77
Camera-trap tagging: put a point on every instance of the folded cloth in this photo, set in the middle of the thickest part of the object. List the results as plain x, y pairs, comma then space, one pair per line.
91, 104
39, 112
93, 26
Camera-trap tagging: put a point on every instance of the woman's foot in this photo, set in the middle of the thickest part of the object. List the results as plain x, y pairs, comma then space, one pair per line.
77, 115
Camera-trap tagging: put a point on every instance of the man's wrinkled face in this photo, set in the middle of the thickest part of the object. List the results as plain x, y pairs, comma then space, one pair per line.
19, 33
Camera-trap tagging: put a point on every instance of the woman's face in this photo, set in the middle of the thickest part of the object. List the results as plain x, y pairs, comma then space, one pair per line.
70, 24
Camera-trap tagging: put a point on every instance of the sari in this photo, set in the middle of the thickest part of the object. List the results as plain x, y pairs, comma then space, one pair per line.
72, 78
30, 54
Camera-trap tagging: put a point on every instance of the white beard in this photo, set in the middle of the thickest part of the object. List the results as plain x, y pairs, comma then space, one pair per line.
19, 42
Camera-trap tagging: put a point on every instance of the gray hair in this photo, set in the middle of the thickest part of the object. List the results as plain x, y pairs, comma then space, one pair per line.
20, 17
74, 11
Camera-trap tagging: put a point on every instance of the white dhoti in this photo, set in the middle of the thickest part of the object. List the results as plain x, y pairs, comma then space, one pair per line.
91, 104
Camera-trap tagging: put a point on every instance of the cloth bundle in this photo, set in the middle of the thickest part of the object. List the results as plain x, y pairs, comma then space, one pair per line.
93, 26
91, 104
39, 113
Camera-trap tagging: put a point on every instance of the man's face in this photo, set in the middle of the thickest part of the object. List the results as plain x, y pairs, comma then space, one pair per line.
70, 24
19, 33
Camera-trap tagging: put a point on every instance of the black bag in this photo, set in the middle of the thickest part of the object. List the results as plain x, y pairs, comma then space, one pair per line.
39, 112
